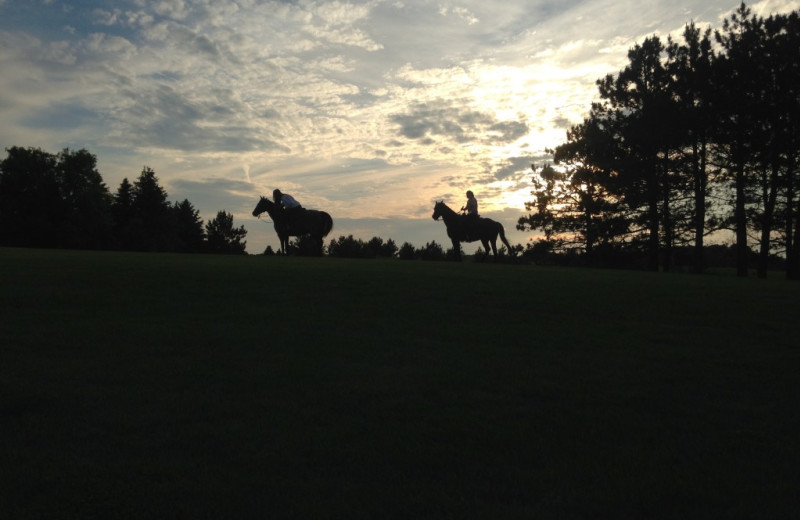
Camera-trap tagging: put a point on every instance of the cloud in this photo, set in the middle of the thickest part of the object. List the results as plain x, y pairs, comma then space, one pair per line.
515, 166
425, 122
60, 117
213, 194
162, 117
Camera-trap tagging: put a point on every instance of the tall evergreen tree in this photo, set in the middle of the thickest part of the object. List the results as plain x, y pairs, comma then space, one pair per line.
152, 212
789, 42
690, 67
771, 141
189, 234
737, 105
640, 104
126, 226
781, 78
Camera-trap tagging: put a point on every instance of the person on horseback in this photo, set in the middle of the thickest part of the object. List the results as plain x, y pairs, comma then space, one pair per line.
285, 200
470, 209
290, 205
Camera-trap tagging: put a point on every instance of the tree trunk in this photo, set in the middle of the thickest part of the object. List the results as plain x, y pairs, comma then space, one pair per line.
653, 227
668, 224
770, 191
668, 237
700, 189
794, 265
740, 217
792, 213
591, 233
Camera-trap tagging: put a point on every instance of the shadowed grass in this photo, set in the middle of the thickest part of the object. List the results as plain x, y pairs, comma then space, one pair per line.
139, 386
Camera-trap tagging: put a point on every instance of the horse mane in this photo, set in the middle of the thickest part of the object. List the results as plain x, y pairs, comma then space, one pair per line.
446, 207
270, 206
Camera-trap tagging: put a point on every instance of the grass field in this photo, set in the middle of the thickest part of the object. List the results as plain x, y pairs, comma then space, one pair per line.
166, 386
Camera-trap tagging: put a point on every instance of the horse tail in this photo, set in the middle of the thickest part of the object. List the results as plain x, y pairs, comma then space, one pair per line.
502, 232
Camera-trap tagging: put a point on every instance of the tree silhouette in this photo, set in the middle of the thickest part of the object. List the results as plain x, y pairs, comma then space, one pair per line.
126, 226
407, 252
690, 66
152, 210
638, 102
86, 219
51, 200
188, 227
304, 245
380, 248
349, 247
29, 198
222, 237
685, 141
432, 251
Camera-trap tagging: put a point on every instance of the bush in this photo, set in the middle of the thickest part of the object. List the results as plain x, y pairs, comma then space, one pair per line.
380, 248
349, 247
453, 255
432, 251
407, 252
303, 245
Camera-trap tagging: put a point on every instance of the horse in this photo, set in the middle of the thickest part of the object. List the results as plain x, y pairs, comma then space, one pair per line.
463, 228
296, 222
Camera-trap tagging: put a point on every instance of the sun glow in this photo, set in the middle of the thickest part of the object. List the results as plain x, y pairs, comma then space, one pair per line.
516, 199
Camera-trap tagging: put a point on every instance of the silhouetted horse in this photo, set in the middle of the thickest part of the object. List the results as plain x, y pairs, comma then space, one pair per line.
461, 228
295, 223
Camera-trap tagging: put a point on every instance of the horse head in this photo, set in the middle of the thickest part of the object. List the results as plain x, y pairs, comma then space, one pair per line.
262, 206
438, 209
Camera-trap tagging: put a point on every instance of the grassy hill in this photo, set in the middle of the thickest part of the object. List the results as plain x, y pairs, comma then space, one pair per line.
151, 386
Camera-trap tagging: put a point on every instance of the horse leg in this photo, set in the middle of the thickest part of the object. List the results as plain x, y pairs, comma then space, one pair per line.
457, 249
486, 244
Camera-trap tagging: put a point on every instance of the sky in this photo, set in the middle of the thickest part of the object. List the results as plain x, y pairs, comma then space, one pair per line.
369, 110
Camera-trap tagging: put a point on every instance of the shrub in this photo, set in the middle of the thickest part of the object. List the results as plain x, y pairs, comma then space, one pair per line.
303, 245
380, 248
432, 251
407, 252
349, 247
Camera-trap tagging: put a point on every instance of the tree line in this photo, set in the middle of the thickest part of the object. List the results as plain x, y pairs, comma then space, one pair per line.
691, 138
60, 201
377, 247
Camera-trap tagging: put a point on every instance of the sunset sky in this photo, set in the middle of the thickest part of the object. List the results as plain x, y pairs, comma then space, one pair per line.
370, 110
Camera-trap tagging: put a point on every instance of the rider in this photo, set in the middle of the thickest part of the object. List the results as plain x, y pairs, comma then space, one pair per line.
288, 203
471, 209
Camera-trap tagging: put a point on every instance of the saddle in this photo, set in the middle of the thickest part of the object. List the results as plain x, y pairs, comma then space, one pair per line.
470, 223
290, 217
